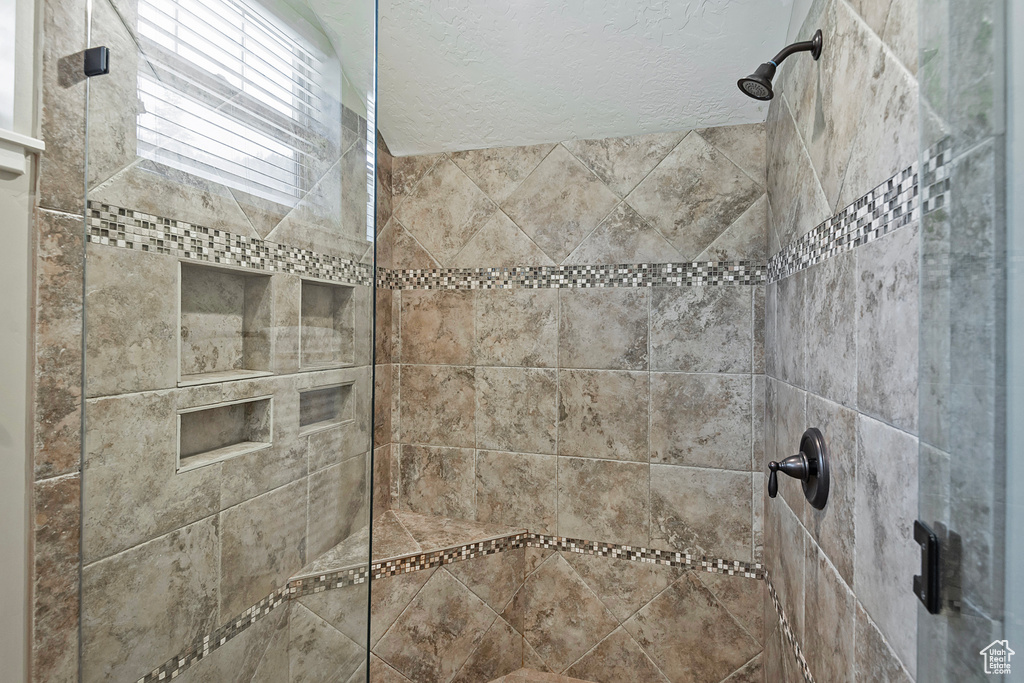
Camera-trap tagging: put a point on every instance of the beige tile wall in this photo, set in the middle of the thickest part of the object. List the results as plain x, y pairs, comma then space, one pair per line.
201, 545
841, 351
625, 415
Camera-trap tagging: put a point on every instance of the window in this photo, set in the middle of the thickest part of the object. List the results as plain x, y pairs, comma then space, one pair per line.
231, 95
8, 26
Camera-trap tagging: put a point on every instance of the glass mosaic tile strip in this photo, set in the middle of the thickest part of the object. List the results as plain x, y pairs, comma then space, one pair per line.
580, 276
350, 576
750, 570
788, 633
889, 206
207, 645
128, 229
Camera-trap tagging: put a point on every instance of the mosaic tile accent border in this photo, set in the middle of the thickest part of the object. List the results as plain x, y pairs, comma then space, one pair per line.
935, 177
128, 229
436, 558
207, 645
749, 570
350, 576
116, 226
889, 206
896, 202
696, 274
787, 631
341, 578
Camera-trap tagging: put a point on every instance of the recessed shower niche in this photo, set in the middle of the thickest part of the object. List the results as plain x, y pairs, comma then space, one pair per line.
324, 407
225, 321
327, 335
209, 434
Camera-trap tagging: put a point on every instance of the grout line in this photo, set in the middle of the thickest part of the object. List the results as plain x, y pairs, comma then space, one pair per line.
808, 158
650, 416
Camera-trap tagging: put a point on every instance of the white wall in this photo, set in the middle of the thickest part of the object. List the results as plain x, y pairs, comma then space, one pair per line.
16, 203
796, 20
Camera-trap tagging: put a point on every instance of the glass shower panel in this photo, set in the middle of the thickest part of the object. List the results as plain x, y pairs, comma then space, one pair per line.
228, 341
964, 421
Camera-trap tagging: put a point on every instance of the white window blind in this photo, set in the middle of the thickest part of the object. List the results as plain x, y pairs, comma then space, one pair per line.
8, 9
230, 94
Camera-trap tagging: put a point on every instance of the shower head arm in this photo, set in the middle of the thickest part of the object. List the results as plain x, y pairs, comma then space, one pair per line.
813, 46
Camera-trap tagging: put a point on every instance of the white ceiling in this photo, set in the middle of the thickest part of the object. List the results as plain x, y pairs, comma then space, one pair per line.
468, 74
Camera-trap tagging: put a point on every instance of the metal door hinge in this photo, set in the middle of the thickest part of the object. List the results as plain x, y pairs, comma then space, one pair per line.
926, 585
97, 61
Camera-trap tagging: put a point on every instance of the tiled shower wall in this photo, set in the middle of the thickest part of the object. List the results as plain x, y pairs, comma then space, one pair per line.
205, 544
842, 349
627, 414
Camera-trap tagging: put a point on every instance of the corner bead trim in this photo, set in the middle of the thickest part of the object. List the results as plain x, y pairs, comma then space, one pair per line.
889, 206
787, 631
129, 229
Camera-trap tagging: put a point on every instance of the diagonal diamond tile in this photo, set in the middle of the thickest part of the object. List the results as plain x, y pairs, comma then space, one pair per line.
317, 651
744, 145
239, 659
500, 243
694, 195
445, 211
389, 598
624, 586
499, 171
559, 204
500, 653
494, 578
559, 615
435, 636
623, 162
624, 237
406, 252
689, 635
751, 672
407, 171
617, 658
742, 597
745, 240
343, 608
380, 672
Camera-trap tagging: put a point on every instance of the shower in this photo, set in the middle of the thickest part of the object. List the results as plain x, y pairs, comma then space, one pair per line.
759, 84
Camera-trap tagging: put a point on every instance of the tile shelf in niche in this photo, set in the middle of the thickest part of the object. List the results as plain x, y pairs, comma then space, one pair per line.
218, 432
222, 376
327, 325
225, 319
324, 407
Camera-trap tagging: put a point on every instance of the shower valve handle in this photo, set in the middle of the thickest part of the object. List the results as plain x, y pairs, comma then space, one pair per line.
796, 466
810, 466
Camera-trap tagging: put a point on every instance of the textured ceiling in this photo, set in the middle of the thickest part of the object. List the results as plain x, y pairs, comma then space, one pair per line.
468, 74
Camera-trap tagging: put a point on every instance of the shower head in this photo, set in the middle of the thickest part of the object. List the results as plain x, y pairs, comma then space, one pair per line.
759, 84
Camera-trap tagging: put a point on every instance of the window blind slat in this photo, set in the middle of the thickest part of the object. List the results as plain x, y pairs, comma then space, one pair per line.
229, 95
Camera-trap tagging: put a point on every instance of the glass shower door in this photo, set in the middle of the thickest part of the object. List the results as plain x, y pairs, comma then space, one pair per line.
970, 446
228, 342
